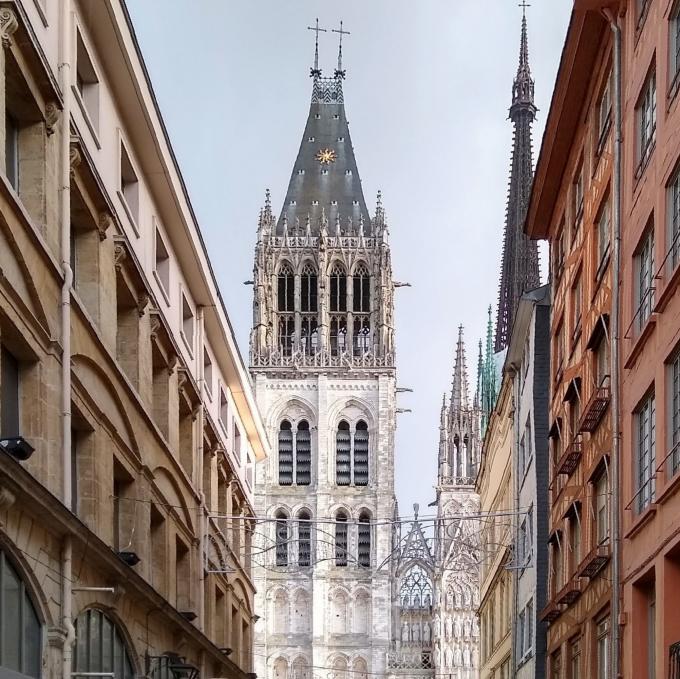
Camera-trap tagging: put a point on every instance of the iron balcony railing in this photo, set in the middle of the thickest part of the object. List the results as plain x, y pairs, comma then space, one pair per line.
596, 406
570, 458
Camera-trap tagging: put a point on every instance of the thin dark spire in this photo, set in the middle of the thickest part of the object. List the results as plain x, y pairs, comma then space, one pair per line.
316, 71
459, 391
339, 73
519, 269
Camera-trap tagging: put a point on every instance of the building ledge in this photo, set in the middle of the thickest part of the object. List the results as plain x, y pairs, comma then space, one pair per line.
668, 291
641, 521
639, 342
670, 488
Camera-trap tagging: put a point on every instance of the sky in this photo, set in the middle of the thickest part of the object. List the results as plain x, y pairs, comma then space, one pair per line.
427, 94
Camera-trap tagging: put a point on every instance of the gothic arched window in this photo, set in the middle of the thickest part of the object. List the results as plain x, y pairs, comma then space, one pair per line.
100, 647
361, 612
361, 454
340, 616
304, 539
285, 454
21, 643
281, 538
280, 612
361, 335
280, 669
338, 282
308, 289
341, 539
361, 290
301, 612
416, 589
359, 669
300, 669
303, 455
343, 455
364, 540
286, 288
338, 335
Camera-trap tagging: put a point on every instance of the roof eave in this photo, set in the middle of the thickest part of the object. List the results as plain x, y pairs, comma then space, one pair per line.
579, 53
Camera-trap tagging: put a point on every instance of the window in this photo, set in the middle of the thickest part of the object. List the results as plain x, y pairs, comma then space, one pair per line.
224, 410
556, 563
286, 334
309, 307
304, 539
207, 371
556, 665
644, 269
646, 458
338, 289
187, 324
341, 539
558, 254
601, 506
602, 649
21, 647
364, 541
285, 454
646, 120
576, 295
308, 290
575, 658
673, 211
603, 233
578, 199
522, 544
129, 185
575, 537
361, 296
9, 394
601, 357
162, 265
12, 150
87, 84
343, 455
303, 455
100, 647
604, 111
361, 454
674, 48
281, 539
674, 420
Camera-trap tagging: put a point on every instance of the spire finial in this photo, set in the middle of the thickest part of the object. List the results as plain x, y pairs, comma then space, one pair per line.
339, 73
316, 71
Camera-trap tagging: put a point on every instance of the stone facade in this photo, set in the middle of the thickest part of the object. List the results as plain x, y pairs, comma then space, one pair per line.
119, 368
322, 361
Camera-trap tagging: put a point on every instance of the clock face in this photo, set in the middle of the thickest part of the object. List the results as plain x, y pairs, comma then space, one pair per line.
326, 156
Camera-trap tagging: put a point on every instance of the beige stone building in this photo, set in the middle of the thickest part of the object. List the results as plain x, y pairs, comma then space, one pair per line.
124, 537
494, 485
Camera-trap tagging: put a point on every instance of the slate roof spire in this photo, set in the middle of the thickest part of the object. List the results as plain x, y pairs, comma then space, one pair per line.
519, 269
325, 176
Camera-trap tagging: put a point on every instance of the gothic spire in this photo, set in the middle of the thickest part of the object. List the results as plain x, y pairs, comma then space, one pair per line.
325, 175
519, 268
489, 387
459, 391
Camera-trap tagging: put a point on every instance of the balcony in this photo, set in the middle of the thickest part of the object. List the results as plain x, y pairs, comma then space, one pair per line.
570, 593
550, 613
570, 458
596, 407
595, 561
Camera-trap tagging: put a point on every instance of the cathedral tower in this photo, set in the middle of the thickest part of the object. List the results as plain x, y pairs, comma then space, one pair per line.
322, 361
519, 268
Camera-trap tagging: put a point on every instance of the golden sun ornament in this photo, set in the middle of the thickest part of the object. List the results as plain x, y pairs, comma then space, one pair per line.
326, 156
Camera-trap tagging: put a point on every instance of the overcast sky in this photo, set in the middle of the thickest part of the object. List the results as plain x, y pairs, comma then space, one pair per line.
427, 94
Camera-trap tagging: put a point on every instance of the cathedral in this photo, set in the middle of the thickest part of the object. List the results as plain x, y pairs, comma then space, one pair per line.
323, 366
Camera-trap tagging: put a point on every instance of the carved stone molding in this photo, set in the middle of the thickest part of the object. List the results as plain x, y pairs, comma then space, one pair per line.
52, 114
154, 324
8, 26
56, 636
104, 224
7, 499
142, 304
74, 158
119, 255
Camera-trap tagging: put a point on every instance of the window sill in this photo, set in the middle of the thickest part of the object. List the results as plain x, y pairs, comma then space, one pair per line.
641, 520
644, 161
128, 212
87, 117
639, 342
668, 290
670, 488
186, 343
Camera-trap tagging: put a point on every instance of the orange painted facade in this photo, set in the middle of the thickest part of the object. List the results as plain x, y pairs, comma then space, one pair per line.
648, 341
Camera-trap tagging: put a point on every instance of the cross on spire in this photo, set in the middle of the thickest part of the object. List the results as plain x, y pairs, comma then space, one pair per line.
317, 30
339, 73
524, 4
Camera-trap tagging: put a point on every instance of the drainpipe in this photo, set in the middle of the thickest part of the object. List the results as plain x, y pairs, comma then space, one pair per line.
65, 223
202, 509
615, 482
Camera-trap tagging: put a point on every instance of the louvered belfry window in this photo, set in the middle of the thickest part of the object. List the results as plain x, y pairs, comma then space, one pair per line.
341, 539
364, 541
338, 288
361, 454
361, 290
285, 454
303, 455
281, 539
304, 539
343, 453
